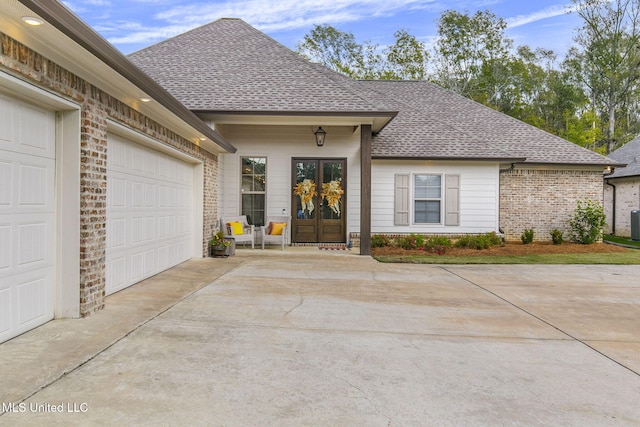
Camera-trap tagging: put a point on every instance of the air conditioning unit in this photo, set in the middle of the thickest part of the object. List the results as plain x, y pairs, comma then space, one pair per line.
635, 225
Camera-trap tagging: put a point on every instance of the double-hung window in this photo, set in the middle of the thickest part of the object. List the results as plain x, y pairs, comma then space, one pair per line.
427, 199
254, 189
436, 199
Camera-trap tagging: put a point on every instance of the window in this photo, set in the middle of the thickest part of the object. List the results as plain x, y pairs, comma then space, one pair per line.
254, 189
427, 199
436, 198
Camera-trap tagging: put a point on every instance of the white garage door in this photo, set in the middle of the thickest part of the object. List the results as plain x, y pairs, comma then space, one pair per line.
27, 216
149, 212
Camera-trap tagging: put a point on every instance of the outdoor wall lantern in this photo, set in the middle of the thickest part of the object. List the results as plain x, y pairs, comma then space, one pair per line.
320, 134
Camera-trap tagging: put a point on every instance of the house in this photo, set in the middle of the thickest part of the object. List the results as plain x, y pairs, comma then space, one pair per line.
106, 179
112, 172
411, 157
622, 189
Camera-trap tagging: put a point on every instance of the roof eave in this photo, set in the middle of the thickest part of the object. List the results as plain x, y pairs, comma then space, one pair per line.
574, 164
70, 25
378, 119
453, 158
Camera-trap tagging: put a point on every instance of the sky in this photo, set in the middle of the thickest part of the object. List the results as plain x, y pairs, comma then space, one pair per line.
131, 25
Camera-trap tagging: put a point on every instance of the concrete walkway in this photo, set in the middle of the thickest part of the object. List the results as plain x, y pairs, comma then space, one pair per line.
309, 337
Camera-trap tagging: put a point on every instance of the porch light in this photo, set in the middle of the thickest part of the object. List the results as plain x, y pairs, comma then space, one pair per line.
320, 134
32, 20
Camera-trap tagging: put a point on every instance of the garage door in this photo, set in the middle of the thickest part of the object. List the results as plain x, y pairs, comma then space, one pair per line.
27, 216
149, 212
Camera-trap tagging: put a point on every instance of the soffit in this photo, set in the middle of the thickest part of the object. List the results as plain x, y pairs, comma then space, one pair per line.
56, 46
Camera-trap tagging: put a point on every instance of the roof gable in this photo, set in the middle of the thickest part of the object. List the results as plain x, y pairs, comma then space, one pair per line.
227, 65
629, 154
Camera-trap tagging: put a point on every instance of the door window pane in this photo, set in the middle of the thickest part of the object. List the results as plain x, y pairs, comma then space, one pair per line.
306, 207
332, 203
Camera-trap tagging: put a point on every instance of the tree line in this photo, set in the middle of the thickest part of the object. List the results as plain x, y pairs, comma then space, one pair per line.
590, 97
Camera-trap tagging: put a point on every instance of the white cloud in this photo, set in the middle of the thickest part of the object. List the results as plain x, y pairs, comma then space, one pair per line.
287, 14
549, 12
265, 15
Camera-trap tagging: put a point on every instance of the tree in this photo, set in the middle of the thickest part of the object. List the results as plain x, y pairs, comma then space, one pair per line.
473, 52
610, 38
334, 49
406, 59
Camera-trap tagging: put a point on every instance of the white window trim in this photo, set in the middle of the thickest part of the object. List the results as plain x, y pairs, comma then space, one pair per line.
413, 200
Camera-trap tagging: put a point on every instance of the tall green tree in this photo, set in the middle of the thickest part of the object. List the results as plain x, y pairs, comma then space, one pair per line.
609, 62
406, 59
334, 49
472, 54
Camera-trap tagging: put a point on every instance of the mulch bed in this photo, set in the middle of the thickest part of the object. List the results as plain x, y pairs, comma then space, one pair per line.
510, 249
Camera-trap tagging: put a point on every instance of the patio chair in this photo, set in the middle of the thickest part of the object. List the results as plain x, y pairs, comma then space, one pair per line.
276, 230
238, 228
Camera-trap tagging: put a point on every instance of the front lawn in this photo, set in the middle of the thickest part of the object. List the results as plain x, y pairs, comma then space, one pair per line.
622, 240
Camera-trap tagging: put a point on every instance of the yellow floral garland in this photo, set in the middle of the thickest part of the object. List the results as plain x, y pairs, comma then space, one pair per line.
307, 191
332, 192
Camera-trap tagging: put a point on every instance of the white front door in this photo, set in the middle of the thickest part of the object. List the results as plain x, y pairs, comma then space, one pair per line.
27, 216
149, 212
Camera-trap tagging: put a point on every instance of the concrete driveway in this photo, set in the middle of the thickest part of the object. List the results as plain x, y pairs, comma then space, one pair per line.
335, 339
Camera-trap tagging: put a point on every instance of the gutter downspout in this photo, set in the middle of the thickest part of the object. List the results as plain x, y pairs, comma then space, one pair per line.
613, 211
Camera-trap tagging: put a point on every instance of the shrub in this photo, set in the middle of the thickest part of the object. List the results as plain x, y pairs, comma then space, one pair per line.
437, 245
527, 236
412, 241
556, 236
481, 241
380, 241
587, 222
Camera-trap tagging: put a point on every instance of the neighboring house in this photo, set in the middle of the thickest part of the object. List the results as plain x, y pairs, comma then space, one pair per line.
622, 189
411, 157
98, 189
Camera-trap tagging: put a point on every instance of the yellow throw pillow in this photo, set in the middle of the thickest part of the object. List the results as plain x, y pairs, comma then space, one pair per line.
236, 227
276, 228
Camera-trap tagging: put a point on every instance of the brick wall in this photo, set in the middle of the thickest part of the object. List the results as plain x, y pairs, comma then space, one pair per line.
627, 200
544, 199
96, 107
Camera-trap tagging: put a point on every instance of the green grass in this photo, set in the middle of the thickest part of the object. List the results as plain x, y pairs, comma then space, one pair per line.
617, 258
622, 240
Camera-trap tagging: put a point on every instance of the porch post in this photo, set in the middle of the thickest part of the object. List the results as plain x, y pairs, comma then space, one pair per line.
365, 189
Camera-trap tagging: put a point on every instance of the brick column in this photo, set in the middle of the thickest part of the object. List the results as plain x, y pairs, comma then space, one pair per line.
93, 207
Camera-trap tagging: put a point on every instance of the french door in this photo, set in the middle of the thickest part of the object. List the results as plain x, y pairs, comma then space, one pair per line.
319, 199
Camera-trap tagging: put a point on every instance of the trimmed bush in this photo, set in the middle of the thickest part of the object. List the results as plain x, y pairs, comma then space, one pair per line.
437, 245
587, 222
412, 241
481, 241
556, 236
527, 236
380, 241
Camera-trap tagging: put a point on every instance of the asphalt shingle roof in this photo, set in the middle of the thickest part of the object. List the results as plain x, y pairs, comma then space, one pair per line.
479, 125
629, 154
229, 66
